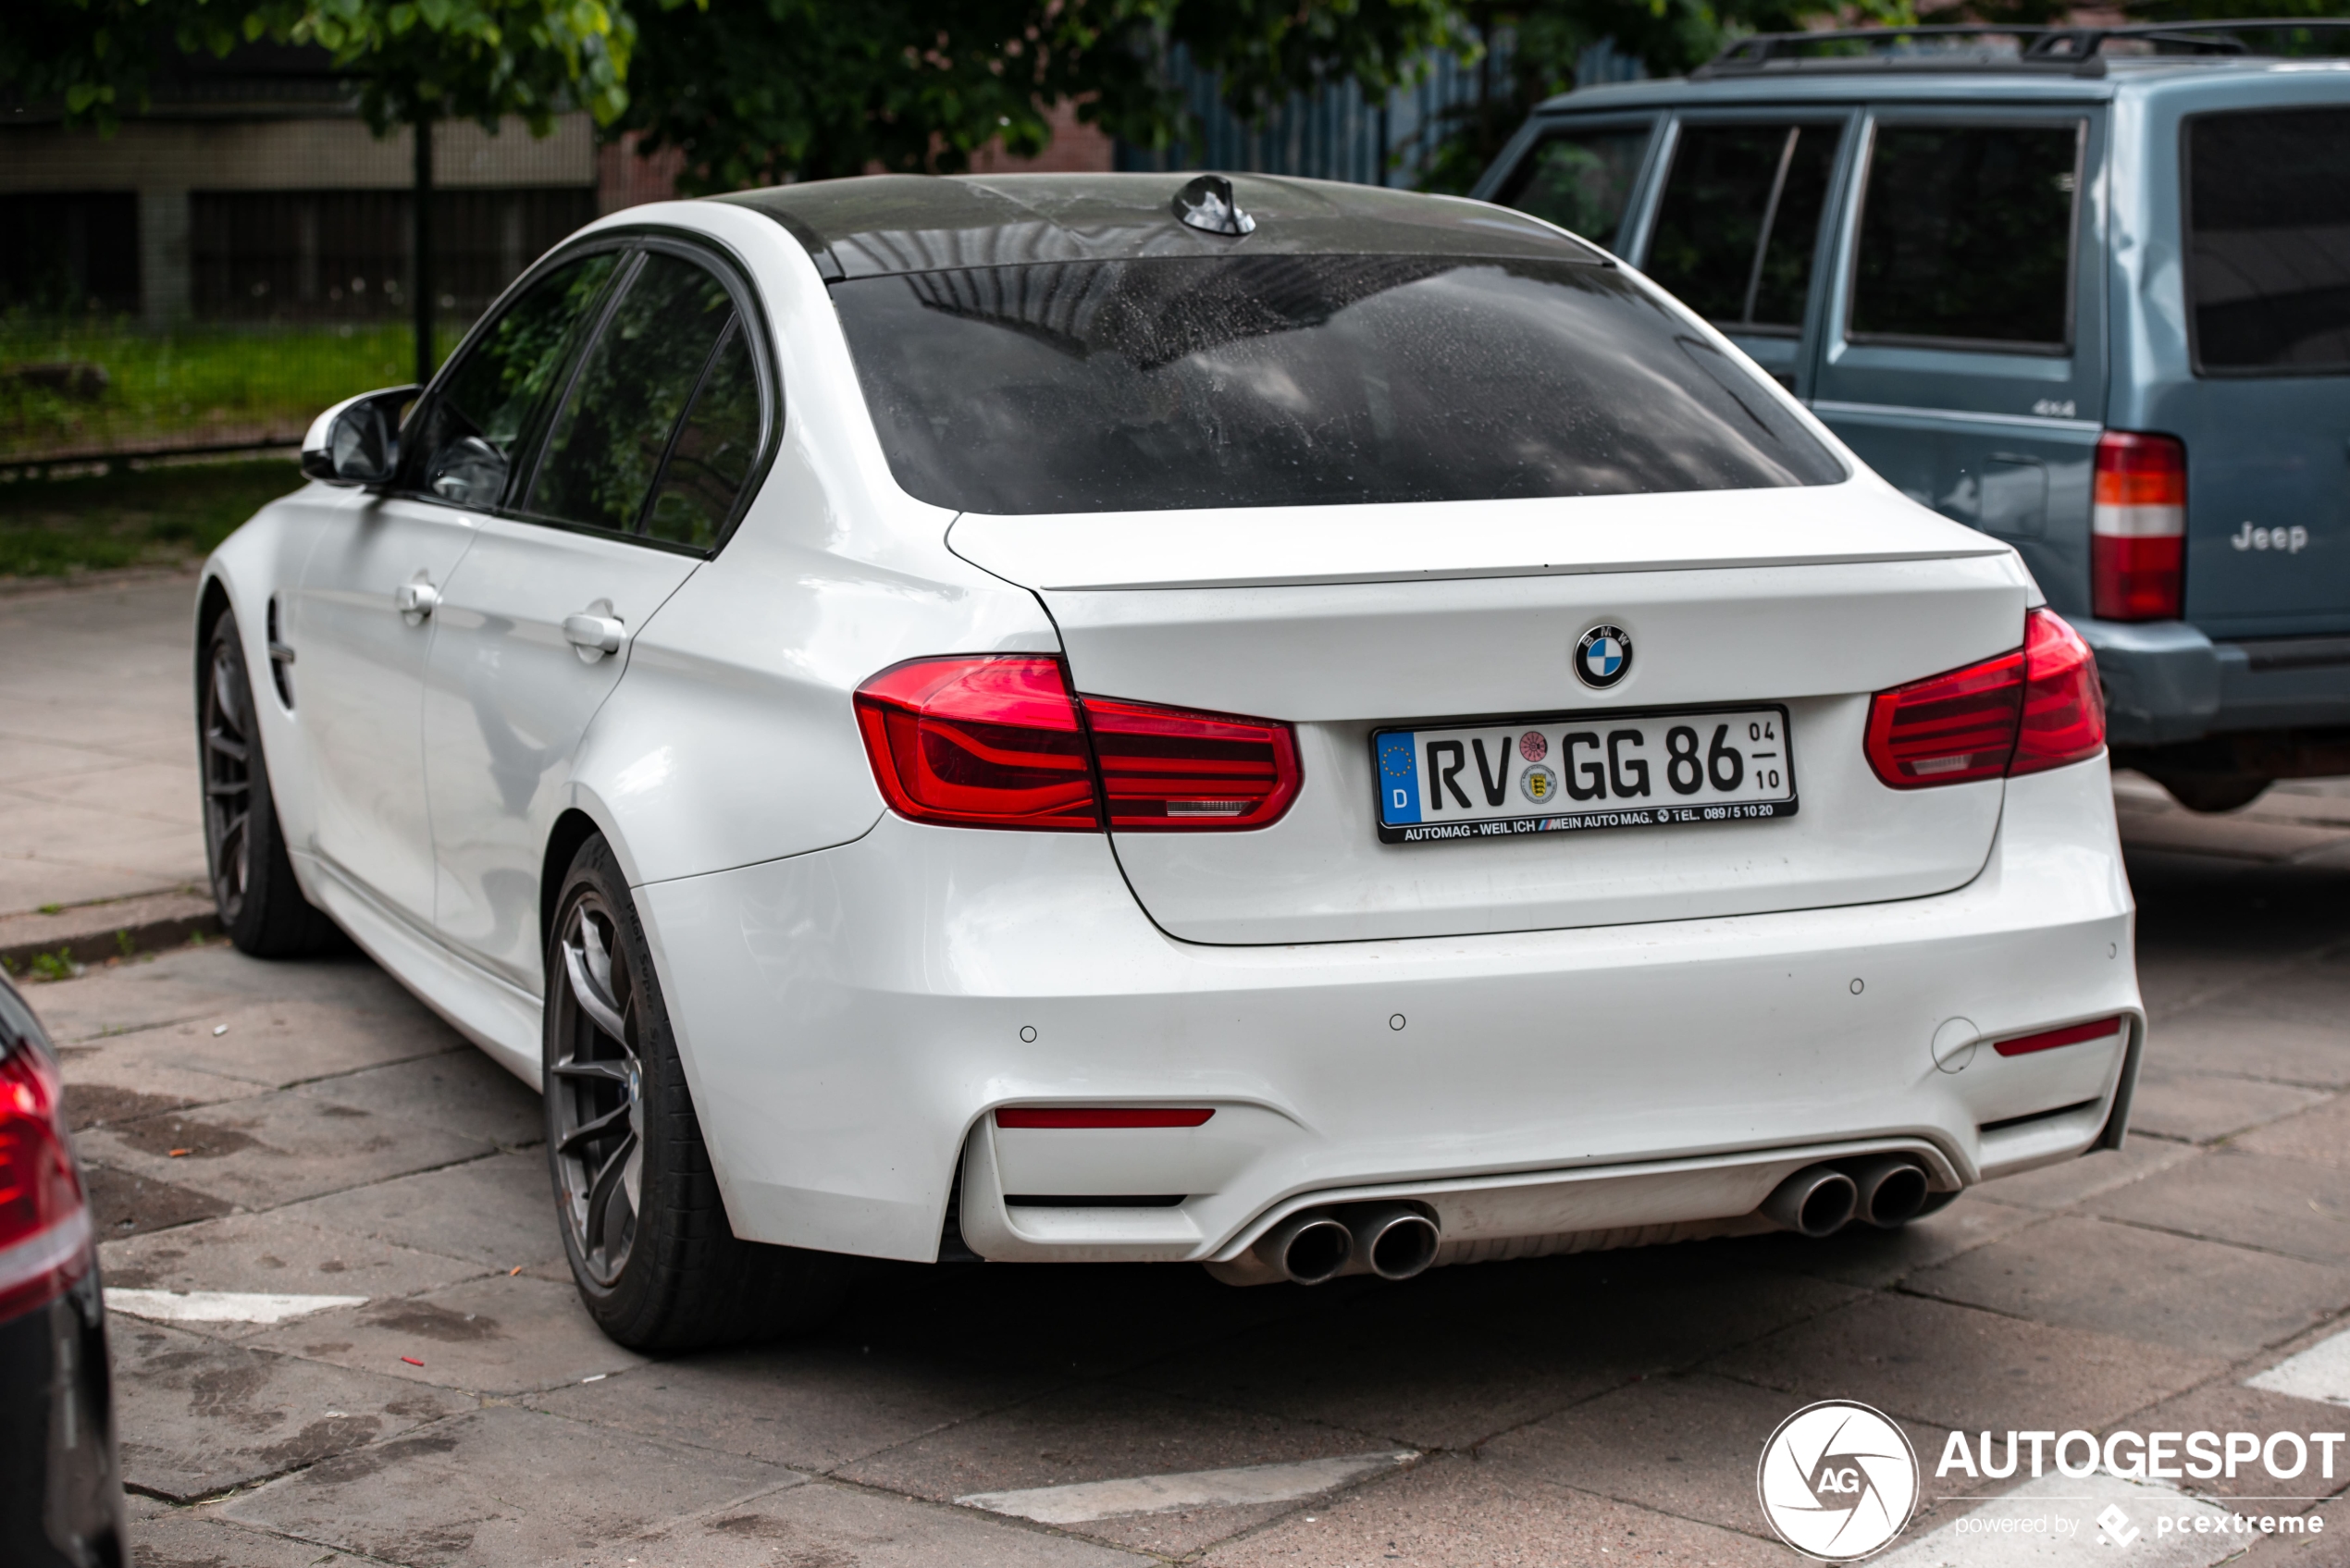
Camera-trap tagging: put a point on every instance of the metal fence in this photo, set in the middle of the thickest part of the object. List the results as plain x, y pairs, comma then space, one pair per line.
1338, 134
292, 300
191, 319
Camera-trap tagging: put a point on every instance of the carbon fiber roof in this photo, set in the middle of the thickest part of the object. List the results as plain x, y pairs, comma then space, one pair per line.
878, 225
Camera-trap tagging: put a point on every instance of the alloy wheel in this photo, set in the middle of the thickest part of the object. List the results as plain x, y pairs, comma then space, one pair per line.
597, 1091
227, 778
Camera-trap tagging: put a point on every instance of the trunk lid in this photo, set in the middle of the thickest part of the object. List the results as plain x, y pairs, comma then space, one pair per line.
1342, 620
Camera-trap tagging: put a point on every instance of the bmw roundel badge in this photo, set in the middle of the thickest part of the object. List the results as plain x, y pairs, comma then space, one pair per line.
1603, 657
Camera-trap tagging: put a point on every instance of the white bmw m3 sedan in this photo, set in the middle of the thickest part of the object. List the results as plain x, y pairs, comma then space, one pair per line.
1300, 728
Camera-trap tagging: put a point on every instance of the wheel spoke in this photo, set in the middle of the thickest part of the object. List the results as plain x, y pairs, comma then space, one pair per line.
615, 1120
608, 1182
593, 998
227, 744
608, 1072
224, 693
221, 791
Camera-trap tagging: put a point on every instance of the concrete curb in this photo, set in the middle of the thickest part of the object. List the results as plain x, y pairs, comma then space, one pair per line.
89, 933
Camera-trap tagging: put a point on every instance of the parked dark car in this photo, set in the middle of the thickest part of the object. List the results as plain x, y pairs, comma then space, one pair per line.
2083, 289
61, 1488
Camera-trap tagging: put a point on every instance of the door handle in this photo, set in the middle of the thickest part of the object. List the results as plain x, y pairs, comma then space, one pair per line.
595, 631
416, 599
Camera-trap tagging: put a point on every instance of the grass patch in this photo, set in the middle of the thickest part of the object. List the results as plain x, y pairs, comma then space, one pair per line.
162, 515
196, 386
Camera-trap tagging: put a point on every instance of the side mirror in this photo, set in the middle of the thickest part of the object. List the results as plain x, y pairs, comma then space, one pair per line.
357, 441
467, 471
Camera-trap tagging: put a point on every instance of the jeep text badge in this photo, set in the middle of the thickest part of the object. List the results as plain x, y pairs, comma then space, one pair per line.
1603, 657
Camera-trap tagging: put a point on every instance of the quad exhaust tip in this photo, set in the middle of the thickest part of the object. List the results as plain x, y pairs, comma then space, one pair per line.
1890, 1190
1816, 1201
1310, 1248
1393, 1240
1885, 1190
1397, 1240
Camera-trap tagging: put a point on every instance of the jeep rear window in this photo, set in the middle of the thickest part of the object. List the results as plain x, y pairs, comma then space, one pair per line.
1580, 181
1304, 380
2269, 240
1740, 220
1966, 236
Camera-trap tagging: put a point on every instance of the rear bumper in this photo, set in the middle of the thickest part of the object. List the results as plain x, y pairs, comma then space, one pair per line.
851, 1019
2165, 683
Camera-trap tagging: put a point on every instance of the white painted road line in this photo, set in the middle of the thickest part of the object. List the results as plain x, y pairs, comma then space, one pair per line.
219, 1306
2321, 1373
1082, 1500
2064, 1519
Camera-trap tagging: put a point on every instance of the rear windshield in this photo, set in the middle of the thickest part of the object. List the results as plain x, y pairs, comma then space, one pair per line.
2269, 240
1286, 380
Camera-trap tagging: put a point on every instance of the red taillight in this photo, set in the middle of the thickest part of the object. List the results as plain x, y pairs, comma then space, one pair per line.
44, 1229
1166, 769
2138, 528
995, 742
2048, 1040
2039, 706
1948, 729
1098, 1116
2063, 705
980, 743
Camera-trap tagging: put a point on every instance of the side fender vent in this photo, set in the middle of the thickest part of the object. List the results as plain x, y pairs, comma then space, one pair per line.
281, 658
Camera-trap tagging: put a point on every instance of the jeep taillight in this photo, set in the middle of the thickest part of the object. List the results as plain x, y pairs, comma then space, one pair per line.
997, 741
2138, 528
2036, 708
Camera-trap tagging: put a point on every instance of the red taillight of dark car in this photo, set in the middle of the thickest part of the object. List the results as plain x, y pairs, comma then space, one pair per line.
998, 741
44, 1225
2138, 528
2038, 707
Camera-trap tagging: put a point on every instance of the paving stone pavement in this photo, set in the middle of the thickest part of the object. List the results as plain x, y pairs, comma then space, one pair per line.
309, 1128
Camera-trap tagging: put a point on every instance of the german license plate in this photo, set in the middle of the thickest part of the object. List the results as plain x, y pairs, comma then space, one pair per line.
1582, 771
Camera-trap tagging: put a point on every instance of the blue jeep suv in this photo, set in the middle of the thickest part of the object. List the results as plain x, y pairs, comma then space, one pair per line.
2087, 290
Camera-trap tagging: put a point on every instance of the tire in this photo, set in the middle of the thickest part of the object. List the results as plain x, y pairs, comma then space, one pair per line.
260, 903
2214, 792
656, 1261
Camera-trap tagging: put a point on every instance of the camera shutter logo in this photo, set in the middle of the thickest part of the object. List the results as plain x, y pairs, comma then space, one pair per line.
1837, 1481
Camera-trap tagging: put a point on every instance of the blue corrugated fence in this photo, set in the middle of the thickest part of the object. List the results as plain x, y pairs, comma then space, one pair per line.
1337, 133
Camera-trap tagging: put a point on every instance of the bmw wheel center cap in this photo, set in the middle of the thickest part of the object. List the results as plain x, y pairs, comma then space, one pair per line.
1603, 657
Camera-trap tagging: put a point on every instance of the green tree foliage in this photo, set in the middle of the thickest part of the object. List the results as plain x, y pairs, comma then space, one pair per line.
412, 60
753, 91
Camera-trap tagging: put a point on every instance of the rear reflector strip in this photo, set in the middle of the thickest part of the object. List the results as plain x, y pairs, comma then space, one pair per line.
2048, 1040
1098, 1116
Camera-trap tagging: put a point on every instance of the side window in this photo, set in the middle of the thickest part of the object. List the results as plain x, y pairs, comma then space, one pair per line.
2269, 240
1966, 235
467, 441
711, 458
605, 446
1580, 181
1739, 223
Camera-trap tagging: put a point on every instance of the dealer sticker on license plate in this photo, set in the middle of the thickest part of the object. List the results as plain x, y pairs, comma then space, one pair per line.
1583, 771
